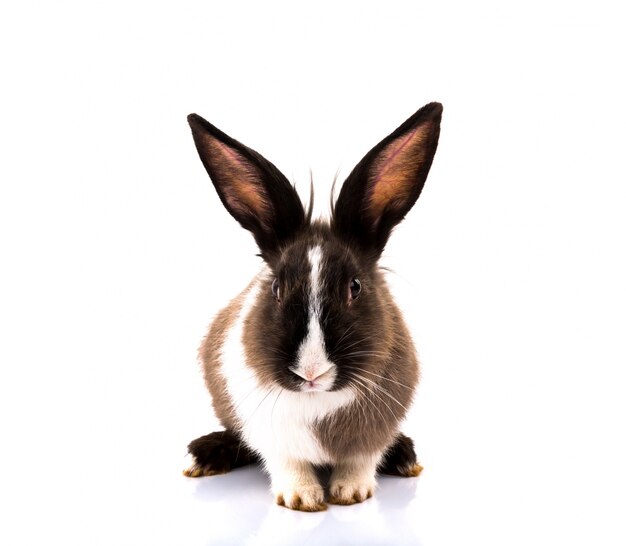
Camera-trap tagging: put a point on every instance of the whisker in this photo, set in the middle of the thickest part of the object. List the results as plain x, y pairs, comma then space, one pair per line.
361, 404
274, 406
258, 406
365, 353
367, 389
385, 391
352, 370
387, 379
346, 347
345, 334
374, 385
238, 403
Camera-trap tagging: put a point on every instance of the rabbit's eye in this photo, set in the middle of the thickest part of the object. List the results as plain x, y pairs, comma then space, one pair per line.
355, 288
276, 289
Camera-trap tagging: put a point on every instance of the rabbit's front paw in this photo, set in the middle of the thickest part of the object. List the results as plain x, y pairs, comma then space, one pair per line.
295, 486
303, 497
347, 491
353, 480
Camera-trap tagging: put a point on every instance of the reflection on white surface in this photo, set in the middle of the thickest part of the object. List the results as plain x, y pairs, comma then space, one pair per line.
240, 510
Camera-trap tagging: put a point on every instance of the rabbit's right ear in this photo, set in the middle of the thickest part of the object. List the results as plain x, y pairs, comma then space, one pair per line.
251, 188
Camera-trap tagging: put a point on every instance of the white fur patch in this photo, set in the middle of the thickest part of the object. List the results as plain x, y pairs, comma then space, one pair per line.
275, 422
313, 364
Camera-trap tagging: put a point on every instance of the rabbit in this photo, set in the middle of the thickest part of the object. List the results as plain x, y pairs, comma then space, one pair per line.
312, 365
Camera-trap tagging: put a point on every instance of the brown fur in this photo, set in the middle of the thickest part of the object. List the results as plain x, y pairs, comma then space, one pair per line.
209, 356
259, 352
370, 424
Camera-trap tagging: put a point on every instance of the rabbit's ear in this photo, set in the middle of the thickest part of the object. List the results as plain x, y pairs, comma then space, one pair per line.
251, 188
384, 186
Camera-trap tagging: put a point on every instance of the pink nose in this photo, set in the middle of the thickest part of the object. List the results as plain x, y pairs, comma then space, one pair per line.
310, 373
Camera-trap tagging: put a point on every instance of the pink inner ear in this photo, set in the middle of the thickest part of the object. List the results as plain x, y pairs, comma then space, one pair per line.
239, 182
395, 170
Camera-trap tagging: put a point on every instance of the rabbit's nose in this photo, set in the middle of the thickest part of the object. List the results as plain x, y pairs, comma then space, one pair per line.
311, 372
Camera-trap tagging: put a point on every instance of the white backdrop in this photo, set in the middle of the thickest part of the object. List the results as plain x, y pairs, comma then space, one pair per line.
116, 253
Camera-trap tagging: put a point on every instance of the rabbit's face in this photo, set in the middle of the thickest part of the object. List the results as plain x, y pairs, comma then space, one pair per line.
316, 325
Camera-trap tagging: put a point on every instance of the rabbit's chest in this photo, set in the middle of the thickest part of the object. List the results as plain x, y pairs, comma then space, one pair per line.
283, 424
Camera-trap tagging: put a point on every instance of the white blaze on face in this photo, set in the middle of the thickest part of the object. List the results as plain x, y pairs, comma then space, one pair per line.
313, 364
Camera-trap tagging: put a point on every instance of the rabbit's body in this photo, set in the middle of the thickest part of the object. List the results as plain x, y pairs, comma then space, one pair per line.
320, 427
312, 364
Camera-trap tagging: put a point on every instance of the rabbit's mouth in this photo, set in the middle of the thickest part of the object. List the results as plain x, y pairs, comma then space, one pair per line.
315, 379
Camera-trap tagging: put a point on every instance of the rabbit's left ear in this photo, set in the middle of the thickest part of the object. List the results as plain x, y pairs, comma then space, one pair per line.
251, 188
384, 186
